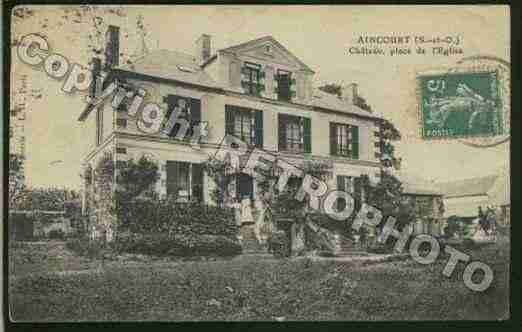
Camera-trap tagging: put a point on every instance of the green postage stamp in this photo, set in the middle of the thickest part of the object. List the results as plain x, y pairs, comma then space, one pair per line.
463, 104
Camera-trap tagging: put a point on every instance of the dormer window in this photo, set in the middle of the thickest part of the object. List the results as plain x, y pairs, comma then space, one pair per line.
252, 79
284, 84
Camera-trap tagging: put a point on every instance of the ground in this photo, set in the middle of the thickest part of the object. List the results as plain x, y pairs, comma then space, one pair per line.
48, 283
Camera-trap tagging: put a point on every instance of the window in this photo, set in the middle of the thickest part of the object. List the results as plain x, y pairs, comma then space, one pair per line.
244, 186
188, 112
344, 140
251, 78
284, 82
353, 186
294, 134
294, 138
245, 124
184, 180
121, 150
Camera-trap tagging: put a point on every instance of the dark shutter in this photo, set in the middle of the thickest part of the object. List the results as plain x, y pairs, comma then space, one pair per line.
333, 139
197, 182
357, 191
195, 115
282, 121
170, 100
229, 120
244, 186
355, 142
172, 178
258, 123
341, 185
307, 135
96, 70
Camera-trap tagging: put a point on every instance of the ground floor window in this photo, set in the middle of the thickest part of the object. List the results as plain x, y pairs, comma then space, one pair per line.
353, 186
184, 181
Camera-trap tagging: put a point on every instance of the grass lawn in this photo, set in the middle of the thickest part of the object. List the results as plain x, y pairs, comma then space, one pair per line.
58, 286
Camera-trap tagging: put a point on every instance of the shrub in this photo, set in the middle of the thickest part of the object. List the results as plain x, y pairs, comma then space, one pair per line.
166, 216
279, 244
56, 234
86, 247
161, 244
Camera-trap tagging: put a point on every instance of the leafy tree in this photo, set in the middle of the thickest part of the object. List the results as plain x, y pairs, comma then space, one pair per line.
16, 180
387, 196
136, 178
390, 134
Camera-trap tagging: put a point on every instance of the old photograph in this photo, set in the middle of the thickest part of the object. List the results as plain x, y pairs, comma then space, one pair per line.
258, 163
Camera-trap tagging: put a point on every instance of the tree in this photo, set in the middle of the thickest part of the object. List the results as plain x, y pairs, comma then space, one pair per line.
16, 180
135, 178
390, 134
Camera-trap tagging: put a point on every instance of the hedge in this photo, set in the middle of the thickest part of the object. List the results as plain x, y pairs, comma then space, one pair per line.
164, 227
162, 244
164, 216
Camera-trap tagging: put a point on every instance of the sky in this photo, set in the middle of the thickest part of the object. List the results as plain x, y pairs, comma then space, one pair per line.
318, 35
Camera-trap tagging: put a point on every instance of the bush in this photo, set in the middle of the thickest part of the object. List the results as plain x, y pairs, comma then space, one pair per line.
56, 234
86, 247
279, 244
166, 216
161, 244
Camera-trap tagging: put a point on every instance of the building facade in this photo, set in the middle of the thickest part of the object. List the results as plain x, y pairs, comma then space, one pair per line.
257, 91
463, 198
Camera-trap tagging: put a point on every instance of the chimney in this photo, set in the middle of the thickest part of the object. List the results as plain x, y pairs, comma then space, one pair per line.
203, 48
112, 47
349, 93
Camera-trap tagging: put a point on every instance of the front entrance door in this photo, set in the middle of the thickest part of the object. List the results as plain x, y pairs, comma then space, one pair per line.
244, 186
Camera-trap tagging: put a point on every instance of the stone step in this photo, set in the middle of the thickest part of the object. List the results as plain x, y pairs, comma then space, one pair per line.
249, 241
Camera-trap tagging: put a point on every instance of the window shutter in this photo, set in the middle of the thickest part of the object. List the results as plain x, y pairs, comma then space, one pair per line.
355, 142
229, 120
172, 177
170, 100
96, 69
341, 203
258, 128
333, 139
283, 119
341, 185
293, 86
307, 135
357, 192
195, 115
197, 182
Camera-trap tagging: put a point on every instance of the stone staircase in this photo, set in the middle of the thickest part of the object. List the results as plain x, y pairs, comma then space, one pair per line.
250, 244
347, 247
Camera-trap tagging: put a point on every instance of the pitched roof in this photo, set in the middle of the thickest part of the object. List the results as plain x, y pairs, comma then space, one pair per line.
415, 185
262, 40
171, 65
330, 101
468, 187
416, 189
